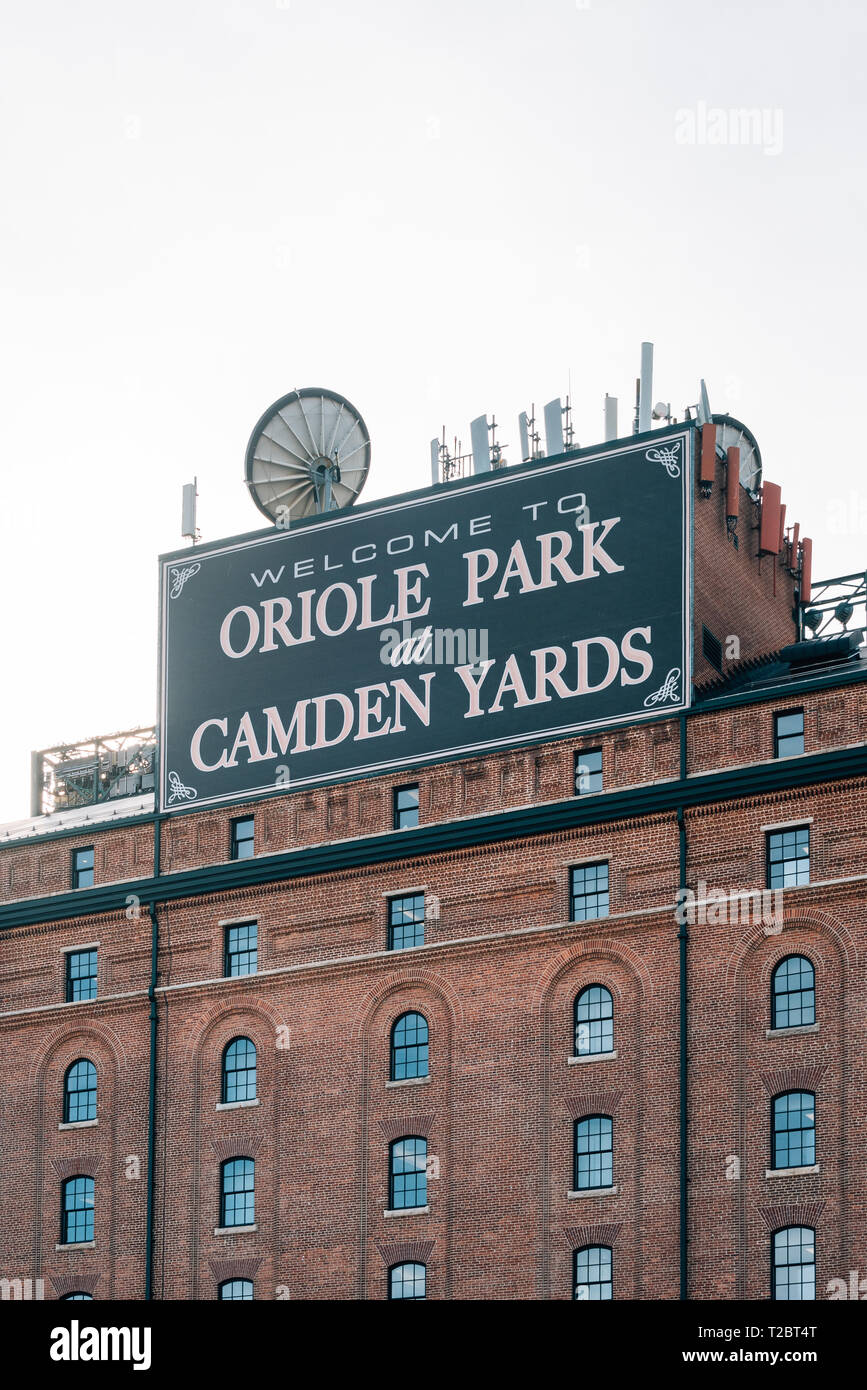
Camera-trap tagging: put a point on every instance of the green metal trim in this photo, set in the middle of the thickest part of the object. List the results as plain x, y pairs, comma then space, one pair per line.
783, 775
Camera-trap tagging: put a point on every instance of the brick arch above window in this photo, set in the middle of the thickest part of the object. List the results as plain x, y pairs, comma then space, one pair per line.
66, 1044
236, 1146
600, 1233
235, 1269
400, 1252
74, 1283
419, 1125
826, 929
594, 1103
84, 1166
591, 956
793, 1079
792, 1214
249, 1017
370, 1013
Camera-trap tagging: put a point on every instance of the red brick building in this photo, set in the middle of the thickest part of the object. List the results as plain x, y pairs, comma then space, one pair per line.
618, 1097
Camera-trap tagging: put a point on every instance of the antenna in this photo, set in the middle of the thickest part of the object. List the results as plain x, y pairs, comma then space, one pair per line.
524, 431
479, 444
553, 413
645, 387
568, 431
448, 466
704, 405
497, 460
530, 438
188, 512
610, 417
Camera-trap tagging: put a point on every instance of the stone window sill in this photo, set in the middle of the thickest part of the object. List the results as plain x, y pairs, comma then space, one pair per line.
591, 1057
791, 1032
77, 1124
407, 1211
593, 1192
235, 1104
790, 1172
77, 1245
408, 1081
233, 1230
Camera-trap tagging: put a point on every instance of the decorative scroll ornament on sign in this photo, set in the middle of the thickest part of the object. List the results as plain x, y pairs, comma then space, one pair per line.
667, 691
668, 457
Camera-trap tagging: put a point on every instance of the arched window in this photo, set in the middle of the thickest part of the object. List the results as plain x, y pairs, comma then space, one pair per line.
794, 1263
79, 1092
236, 1290
239, 1071
592, 1273
237, 1192
793, 993
407, 1281
407, 1173
593, 1152
76, 1297
594, 1021
793, 1130
409, 1047
76, 1212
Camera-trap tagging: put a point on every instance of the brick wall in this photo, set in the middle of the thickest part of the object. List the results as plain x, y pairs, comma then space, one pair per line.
736, 592
502, 1098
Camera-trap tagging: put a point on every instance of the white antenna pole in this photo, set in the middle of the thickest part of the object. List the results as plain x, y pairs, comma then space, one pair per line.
434, 461
610, 416
524, 431
480, 444
188, 512
553, 413
645, 400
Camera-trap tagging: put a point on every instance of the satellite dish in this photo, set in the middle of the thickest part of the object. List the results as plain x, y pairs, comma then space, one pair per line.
731, 433
309, 453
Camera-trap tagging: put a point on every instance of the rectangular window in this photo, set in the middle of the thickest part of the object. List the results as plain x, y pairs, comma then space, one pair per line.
408, 1177
238, 1198
588, 771
793, 1141
82, 868
405, 807
242, 949
788, 733
77, 1211
242, 838
789, 857
406, 922
80, 975
594, 1158
589, 891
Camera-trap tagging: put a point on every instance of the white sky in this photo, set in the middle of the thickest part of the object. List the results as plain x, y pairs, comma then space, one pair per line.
435, 209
